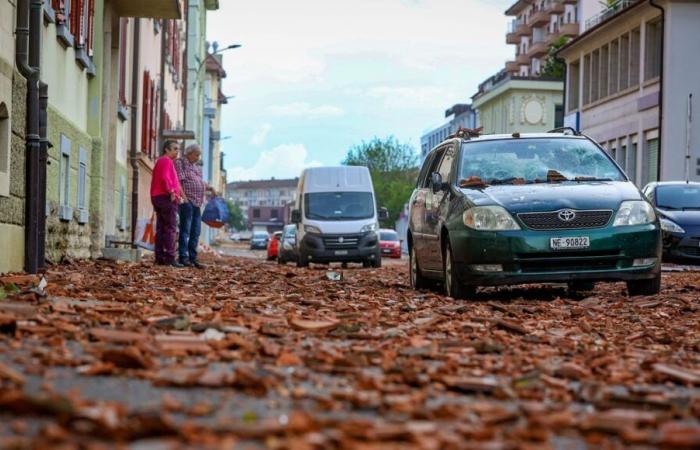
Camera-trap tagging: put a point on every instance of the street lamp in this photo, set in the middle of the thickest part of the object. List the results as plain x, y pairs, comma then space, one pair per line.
216, 51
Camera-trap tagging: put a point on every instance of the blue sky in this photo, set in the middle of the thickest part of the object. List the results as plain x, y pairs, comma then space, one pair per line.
315, 77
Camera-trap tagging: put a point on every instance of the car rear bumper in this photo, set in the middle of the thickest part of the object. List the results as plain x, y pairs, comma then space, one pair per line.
525, 256
313, 247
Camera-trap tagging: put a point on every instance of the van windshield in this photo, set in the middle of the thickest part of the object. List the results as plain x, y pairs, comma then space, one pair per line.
339, 205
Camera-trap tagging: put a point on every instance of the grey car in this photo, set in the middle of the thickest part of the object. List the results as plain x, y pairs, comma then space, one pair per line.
288, 245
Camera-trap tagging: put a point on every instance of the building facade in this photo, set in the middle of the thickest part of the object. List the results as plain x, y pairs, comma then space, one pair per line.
458, 116
266, 204
632, 87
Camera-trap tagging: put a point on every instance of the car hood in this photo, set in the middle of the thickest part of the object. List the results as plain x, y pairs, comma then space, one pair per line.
553, 197
687, 218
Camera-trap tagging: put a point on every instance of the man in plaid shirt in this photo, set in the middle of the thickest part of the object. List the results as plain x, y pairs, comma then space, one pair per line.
193, 190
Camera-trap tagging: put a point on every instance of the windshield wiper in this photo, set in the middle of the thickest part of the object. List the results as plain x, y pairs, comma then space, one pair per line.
511, 180
554, 176
591, 179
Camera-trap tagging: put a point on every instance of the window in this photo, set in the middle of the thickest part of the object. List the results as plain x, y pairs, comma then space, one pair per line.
82, 186
651, 161
624, 62
622, 157
121, 224
445, 169
634, 58
123, 43
587, 79
65, 212
558, 116
4, 149
632, 166
274, 214
149, 116
652, 54
604, 71
75, 20
256, 213
614, 67
573, 86
595, 75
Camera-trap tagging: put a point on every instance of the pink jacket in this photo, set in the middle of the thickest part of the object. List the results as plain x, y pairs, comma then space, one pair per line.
165, 181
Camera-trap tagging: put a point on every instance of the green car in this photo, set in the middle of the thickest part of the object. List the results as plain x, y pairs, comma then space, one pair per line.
536, 208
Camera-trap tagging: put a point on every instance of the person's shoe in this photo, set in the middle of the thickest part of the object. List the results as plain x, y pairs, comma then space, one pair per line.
185, 263
198, 265
176, 265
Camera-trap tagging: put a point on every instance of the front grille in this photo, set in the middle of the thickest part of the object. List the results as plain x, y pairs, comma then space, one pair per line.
551, 220
568, 261
341, 242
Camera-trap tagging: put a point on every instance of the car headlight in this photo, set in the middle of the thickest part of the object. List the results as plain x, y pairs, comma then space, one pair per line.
312, 229
670, 226
634, 212
489, 218
369, 227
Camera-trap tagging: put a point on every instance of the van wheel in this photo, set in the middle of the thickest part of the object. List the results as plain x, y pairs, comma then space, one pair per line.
453, 287
376, 263
302, 261
644, 287
365, 263
416, 278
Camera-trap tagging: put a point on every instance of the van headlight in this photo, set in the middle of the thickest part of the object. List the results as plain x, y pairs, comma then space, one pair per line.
634, 212
312, 229
489, 218
670, 226
369, 227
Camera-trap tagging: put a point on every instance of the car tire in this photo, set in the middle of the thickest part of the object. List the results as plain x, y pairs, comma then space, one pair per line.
644, 287
302, 261
453, 286
377, 262
415, 277
366, 263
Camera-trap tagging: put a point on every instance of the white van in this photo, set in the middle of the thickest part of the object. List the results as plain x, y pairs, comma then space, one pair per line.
337, 217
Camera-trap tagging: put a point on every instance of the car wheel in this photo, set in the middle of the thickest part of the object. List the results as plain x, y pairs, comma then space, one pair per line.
453, 287
377, 262
416, 278
644, 287
302, 261
366, 263
581, 286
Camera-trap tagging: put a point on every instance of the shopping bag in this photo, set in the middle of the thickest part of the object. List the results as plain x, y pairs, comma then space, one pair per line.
146, 233
215, 213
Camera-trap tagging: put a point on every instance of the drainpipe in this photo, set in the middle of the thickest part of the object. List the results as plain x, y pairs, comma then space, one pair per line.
25, 35
661, 83
44, 145
161, 99
133, 153
186, 66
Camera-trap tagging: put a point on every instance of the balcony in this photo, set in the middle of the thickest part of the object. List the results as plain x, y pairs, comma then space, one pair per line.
154, 9
569, 29
556, 7
522, 29
537, 49
540, 18
512, 67
512, 38
522, 59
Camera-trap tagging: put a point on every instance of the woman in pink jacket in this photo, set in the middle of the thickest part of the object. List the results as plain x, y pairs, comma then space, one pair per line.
165, 196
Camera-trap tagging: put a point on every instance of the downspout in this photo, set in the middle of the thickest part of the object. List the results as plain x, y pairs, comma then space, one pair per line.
186, 66
44, 145
161, 99
133, 153
661, 83
25, 35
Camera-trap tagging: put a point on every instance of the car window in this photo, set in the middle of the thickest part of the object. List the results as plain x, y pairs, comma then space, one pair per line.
433, 166
424, 174
388, 236
535, 160
678, 196
445, 169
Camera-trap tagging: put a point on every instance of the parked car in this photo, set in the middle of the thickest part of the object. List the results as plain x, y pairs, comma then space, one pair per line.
337, 217
273, 246
288, 245
531, 208
389, 243
678, 206
259, 240
235, 237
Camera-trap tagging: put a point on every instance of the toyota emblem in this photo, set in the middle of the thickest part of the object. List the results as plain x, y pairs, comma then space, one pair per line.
341, 240
566, 215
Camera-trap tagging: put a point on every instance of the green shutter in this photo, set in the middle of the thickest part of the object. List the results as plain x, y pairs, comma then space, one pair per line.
652, 160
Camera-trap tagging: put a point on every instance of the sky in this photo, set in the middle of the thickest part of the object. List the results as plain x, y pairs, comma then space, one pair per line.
315, 77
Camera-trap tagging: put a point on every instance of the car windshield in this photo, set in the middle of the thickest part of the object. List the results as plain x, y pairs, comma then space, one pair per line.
529, 160
678, 196
260, 236
339, 205
290, 232
388, 236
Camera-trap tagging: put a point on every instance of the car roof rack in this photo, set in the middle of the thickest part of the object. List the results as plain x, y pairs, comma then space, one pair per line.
571, 130
466, 133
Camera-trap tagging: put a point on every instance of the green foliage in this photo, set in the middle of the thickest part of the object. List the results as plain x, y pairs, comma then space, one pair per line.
236, 220
394, 169
555, 66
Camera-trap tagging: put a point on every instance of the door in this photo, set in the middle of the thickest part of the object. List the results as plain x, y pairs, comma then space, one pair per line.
417, 203
435, 210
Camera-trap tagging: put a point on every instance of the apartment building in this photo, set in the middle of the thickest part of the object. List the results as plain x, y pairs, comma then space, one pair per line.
458, 116
266, 204
632, 86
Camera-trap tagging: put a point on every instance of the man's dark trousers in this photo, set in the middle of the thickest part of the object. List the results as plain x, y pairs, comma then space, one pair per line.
190, 227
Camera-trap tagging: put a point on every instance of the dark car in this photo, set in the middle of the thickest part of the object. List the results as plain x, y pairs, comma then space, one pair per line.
515, 209
288, 246
678, 206
259, 240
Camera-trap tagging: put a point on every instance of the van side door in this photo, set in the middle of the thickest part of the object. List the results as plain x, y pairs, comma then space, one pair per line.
436, 208
418, 201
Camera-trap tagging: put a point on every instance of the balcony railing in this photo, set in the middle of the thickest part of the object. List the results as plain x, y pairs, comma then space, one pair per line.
613, 9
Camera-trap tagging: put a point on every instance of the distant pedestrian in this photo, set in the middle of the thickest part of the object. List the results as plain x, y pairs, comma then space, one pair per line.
165, 196
194, 188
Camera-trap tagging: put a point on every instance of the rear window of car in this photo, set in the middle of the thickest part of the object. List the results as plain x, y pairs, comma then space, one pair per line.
388, 236
532, 160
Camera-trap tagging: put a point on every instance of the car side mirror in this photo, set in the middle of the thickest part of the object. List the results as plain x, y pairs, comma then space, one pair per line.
383, 213
296, 216
436, 182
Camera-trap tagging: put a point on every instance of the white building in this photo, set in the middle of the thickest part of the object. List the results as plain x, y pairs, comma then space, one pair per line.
632, 81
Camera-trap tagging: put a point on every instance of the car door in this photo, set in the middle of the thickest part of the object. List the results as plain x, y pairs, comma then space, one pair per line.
435, 210
417, 202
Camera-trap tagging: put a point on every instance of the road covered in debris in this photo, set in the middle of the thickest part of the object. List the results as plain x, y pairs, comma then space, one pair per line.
250, 354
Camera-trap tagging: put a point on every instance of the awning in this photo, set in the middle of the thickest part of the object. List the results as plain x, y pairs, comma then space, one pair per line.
152, 9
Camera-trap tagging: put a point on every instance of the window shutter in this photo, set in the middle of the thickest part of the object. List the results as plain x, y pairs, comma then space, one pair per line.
145, 112
90, 32
82, 186
652, 160
123, 24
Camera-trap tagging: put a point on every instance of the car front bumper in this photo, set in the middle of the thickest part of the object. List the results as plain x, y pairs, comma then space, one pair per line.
258, 245
315, 248
525, 256
682, 246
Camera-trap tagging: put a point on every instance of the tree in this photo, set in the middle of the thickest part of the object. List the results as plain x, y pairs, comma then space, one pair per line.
236, 220
394, 168
555, 66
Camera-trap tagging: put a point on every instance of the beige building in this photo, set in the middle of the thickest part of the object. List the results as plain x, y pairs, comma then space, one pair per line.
632, 86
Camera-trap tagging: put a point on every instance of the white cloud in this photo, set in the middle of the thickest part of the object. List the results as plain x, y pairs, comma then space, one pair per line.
283, 161
303, 109
405, 97
260, 135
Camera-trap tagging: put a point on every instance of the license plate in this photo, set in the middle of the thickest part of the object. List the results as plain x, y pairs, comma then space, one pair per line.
341, 252
386, 250
568, 243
